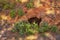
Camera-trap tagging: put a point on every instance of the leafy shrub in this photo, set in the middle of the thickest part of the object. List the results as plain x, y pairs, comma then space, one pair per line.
9, 5
6, 4
12, 13
30, 4
2, 2
54, 28
33, 28
44, 27
20, 12
25, 28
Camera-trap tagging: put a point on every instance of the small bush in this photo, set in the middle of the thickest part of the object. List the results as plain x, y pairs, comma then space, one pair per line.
2, 3
25, 28
54, 28
34, 26
44, 27
9, 6
20, 12
12, 13
30, 4
6, 4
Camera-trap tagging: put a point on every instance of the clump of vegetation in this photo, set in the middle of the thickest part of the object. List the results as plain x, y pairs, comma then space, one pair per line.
25, 28
2, 2
9, 6
30, 4
12, 13
54, 28
45, 27
20, 12
6, 4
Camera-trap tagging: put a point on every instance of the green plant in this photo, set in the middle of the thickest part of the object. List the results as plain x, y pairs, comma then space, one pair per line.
33, 28
6, 6
9, 6
30, 4
23, 27
44, 27
54, 28
20, 12
12, 13
2, 3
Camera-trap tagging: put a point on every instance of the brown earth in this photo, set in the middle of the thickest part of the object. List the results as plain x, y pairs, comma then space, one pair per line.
45, 12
